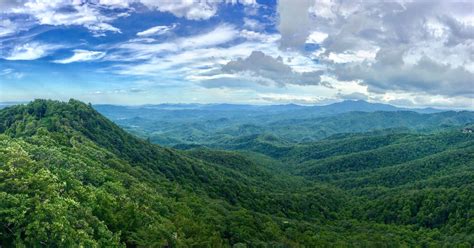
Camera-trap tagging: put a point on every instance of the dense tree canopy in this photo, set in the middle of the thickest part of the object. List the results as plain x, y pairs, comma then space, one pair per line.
70, 177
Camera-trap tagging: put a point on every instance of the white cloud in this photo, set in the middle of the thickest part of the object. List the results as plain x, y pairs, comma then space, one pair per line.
425, 76
189, 63
364, 46
96, 15
31, 51
91, 11
11, 74
431, 42
116, 3
157, 30
143, 51
191, 60
221, 34
268, 69
419, 100
353, 56
7, 27
100, 28
294, 23
6, 71
192, 10
253, 24
67, 13
288, 98
262, 37
81, 56
316, 37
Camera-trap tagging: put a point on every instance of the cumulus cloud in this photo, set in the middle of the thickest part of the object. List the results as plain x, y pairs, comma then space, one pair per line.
294, 22
258, 62
253, 24
81, 56
316, 37
192, 10
264, 69
408, 46
389, 72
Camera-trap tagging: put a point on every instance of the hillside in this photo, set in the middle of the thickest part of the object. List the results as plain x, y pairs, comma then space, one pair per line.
422, 180
71, 177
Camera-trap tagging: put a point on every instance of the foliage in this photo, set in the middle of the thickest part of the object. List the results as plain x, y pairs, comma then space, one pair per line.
70, 177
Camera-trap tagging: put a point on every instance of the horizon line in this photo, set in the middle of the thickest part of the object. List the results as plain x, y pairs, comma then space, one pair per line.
11, 103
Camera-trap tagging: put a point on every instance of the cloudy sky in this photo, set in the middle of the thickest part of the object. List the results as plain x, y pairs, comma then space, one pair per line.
406, 53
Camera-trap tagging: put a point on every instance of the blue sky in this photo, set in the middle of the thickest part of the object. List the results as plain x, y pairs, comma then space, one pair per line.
406, 53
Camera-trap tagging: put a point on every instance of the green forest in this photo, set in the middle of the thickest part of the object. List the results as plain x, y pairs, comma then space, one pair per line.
70, 177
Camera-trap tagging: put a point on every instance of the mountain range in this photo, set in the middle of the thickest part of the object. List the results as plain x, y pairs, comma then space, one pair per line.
190, 124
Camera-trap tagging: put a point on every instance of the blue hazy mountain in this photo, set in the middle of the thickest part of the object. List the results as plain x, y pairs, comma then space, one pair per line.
339, 107
174, 124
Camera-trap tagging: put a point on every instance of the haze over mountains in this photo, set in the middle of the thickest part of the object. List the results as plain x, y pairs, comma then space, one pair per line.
210, 124
334, 108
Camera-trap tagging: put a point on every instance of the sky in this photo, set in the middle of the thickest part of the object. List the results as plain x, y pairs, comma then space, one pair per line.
404, 53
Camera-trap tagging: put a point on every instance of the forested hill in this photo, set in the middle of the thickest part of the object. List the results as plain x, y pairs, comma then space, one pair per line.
69, 177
